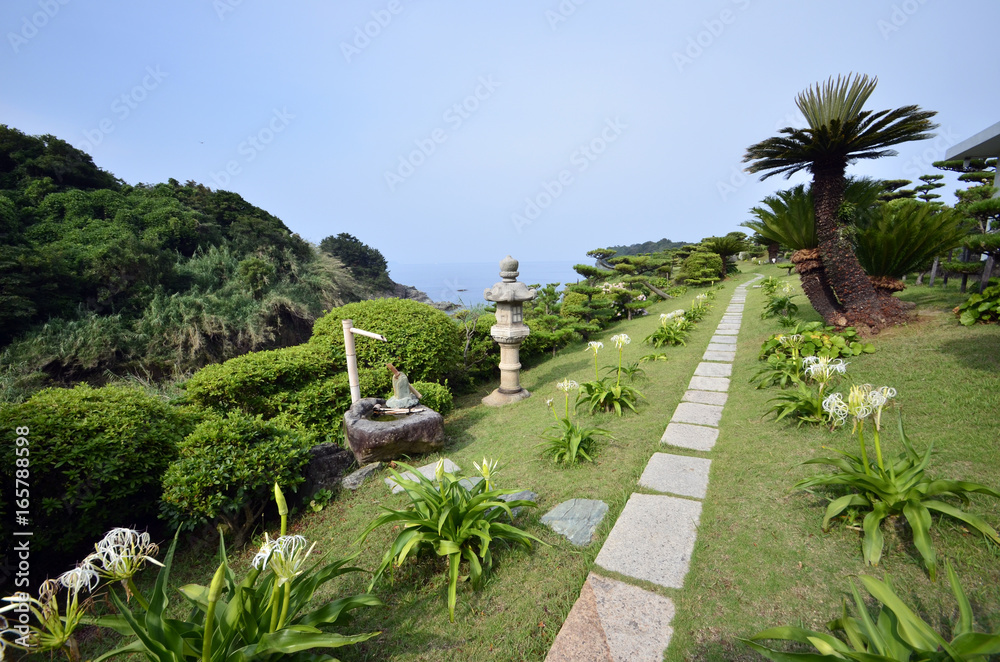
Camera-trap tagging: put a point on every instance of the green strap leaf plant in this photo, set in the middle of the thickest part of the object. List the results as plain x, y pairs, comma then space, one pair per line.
895, 634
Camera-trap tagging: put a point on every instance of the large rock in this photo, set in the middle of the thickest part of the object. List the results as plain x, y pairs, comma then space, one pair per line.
406, 435
327, 465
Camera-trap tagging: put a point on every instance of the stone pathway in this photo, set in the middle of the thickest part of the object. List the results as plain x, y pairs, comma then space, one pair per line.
654, 536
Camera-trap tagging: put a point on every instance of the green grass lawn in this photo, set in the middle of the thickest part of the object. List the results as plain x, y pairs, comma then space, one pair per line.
760, 558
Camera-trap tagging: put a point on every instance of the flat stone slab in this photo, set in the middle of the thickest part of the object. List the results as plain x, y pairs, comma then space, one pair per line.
359, 477
427, 470
731, 327
721, 347
705, 397
653, 539
697, 413
576, 519
734, 319
695, 437
719, 356
613, 621
726, 332
723, 340
713, 370
699, 383
523, 495
677, 474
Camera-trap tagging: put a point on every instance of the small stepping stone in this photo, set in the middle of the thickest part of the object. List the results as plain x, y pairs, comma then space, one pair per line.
709, 383
697, 413
731, 327
724, 340
732, 319
705, 397
427, 470
727, 332
358, 478
653, 539
727, 357
576, 519
713, 370
695, 437
613, 621
525, 495
677, 474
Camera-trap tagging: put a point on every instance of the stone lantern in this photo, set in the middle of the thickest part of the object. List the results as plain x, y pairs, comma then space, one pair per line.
510, 330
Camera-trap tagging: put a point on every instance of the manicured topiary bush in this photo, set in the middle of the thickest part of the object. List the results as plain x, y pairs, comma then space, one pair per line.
227, 469
251, 382
96, 458
423, 342
700, 268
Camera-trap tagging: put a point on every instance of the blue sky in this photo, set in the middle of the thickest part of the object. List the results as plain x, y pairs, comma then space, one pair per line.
460, 132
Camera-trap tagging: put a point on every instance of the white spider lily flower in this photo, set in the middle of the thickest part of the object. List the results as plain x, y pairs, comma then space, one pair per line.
823, 368
594, 346
877, 400
285, 556
84, 576
439, 470
567, 385
858, 403
122, 553
790, 340
835, 406
548, 402
621, 340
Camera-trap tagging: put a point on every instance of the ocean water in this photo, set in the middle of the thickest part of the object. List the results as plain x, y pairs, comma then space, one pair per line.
464, 282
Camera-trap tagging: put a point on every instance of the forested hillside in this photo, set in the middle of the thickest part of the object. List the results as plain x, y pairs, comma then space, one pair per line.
649, 247
99, 278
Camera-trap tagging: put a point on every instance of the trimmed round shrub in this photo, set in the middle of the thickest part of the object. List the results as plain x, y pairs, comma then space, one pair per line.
423, 342
436, 396
250, 382
700, 268
96, 460
226, 472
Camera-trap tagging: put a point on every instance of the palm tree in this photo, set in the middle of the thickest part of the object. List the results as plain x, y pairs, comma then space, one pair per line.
839, 133
789, 218
725, 248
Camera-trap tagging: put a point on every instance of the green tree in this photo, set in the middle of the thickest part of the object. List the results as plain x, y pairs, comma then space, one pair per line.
725, 247
366, 263
839, 131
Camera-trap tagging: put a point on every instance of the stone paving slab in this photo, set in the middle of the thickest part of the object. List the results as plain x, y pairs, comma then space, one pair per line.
705, 397
358, 478
731, 327
677, 474
576, 519
695, 437
727, 357
726, 332
614, 622
725, 340
709, 383
713, 370
653, 539
732, 319
721, 347
427, 470
697, 413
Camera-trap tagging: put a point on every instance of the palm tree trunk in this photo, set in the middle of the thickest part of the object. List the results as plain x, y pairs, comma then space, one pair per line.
816, 287
849, 281
934, 270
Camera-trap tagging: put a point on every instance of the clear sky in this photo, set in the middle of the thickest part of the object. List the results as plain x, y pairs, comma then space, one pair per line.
462, 131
